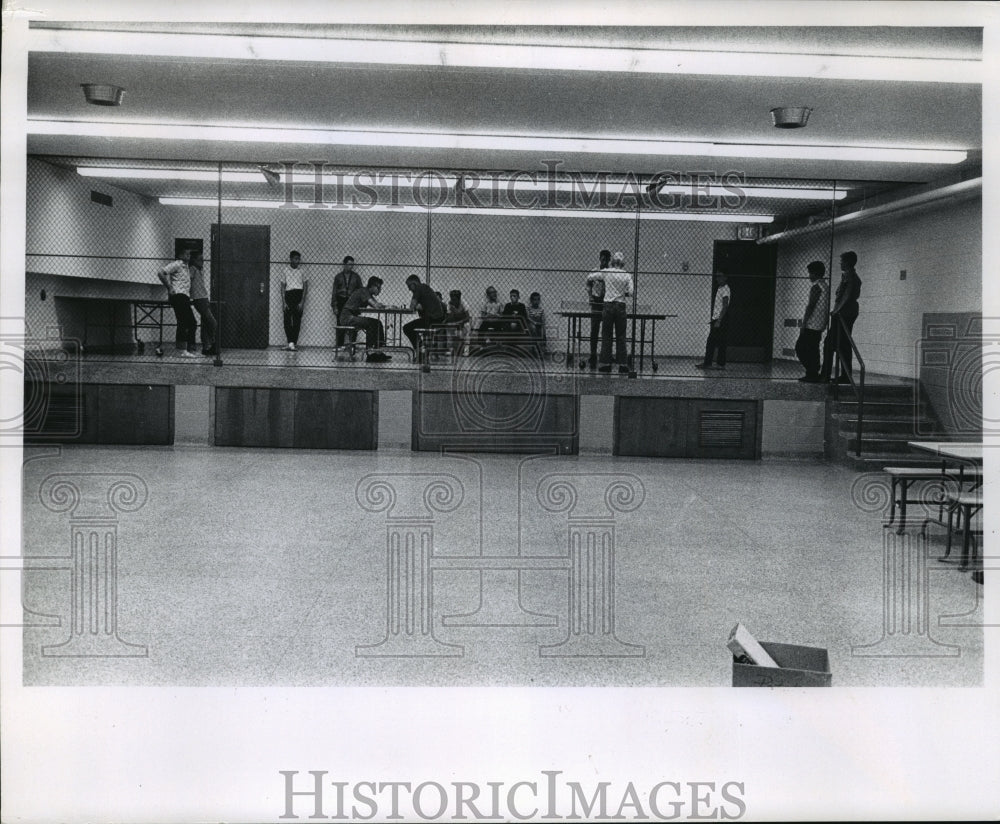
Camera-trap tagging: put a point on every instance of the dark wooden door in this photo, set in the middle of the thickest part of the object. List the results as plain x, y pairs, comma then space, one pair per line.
241, 279
751, 270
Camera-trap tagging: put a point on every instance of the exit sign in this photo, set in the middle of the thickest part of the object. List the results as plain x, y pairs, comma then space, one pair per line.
747, 233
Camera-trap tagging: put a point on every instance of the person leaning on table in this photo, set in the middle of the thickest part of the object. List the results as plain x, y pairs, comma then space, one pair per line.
176, 277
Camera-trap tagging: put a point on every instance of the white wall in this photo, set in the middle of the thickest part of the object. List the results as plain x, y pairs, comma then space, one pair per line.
68, 234
939, 246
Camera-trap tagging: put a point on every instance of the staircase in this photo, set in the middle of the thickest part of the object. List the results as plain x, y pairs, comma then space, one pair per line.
891, 419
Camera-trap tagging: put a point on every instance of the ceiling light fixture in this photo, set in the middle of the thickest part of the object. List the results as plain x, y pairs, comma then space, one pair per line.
790, 117
472, 182
490, 142
501, 56
103, 94
715, 217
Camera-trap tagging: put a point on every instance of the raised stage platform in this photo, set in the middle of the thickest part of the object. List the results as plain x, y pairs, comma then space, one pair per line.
496, 402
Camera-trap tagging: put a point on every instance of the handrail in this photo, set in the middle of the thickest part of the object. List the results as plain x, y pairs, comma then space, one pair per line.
859, 386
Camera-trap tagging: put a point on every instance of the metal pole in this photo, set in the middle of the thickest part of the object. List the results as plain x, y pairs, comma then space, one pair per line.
427, 265
635, 284
218, 279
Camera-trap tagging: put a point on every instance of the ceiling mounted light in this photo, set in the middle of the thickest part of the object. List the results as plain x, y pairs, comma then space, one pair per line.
103, 94
790, 117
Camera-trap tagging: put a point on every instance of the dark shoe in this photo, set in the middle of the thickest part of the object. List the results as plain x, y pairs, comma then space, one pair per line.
378, 357
702, 365
811, 379
622, 370
604, 368
842, 379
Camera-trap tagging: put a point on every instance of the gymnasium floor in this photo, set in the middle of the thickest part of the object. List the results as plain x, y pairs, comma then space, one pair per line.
262, 568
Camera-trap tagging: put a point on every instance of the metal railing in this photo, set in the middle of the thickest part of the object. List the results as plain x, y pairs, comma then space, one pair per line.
859, 385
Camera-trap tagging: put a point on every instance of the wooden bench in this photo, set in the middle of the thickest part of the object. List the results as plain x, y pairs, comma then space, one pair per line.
902, 477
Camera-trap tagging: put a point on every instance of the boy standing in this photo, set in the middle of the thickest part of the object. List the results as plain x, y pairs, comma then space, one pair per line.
813, 323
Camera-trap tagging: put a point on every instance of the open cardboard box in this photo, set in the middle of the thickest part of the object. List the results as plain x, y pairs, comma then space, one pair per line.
797, 667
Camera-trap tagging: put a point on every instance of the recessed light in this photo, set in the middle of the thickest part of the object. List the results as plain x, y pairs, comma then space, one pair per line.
103, 94
790, 117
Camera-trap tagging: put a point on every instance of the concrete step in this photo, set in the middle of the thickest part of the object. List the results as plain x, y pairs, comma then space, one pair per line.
895, 425
872, 442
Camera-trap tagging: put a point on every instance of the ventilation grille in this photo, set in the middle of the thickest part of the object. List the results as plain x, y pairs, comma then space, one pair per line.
59, 414
720, 430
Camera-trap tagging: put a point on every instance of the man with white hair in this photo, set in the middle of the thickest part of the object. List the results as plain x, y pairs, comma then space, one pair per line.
617, 290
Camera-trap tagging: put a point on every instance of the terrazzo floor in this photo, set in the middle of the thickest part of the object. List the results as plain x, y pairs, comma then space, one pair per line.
259, 567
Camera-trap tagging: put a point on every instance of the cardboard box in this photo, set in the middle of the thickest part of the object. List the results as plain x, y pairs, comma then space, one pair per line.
797, 667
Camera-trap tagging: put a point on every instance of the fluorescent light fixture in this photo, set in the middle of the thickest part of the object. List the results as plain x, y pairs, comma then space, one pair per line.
489, 142
501, 56
429, 179
114, 172
715, 217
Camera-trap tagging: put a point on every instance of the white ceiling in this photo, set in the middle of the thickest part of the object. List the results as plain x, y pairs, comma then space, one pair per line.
336, 96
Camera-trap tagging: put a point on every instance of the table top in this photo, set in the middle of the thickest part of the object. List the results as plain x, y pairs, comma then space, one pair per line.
960, 450
641, 313
390, 310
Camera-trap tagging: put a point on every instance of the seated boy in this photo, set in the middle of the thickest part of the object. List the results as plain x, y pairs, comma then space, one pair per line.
351, 315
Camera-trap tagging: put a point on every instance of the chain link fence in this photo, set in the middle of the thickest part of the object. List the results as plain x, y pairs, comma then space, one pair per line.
100, 232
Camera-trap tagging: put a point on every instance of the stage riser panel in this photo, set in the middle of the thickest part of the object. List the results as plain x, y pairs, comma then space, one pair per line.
296, 418
495, 422
687, 428
99, 413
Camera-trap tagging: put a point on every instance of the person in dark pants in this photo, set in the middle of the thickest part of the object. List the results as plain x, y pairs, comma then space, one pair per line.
813, 323
595, 296
201, 304
428, 307
361, 298
176, 277
617, 290
718, 331
345, 283
846, 309
293, 298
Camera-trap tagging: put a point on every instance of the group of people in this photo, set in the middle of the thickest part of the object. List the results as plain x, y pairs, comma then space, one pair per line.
841, 318
187, 293
608, 289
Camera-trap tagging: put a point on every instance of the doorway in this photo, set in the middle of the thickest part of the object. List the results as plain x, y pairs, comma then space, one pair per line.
241, 284
750, 270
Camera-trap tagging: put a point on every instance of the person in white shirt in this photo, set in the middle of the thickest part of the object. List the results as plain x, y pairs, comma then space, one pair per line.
293, 295
176, 277
595, 296
718, 326
813, 323
617, 290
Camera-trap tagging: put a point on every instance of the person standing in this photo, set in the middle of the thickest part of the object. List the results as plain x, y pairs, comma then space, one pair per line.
718, 325
813, 323
202, 305
846, 309
428, 307
176, 277
293, 298
345, 283
350, 315
617, 290
595, 296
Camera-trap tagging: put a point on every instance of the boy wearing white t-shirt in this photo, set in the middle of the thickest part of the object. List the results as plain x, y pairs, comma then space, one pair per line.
719, 326
293, 295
